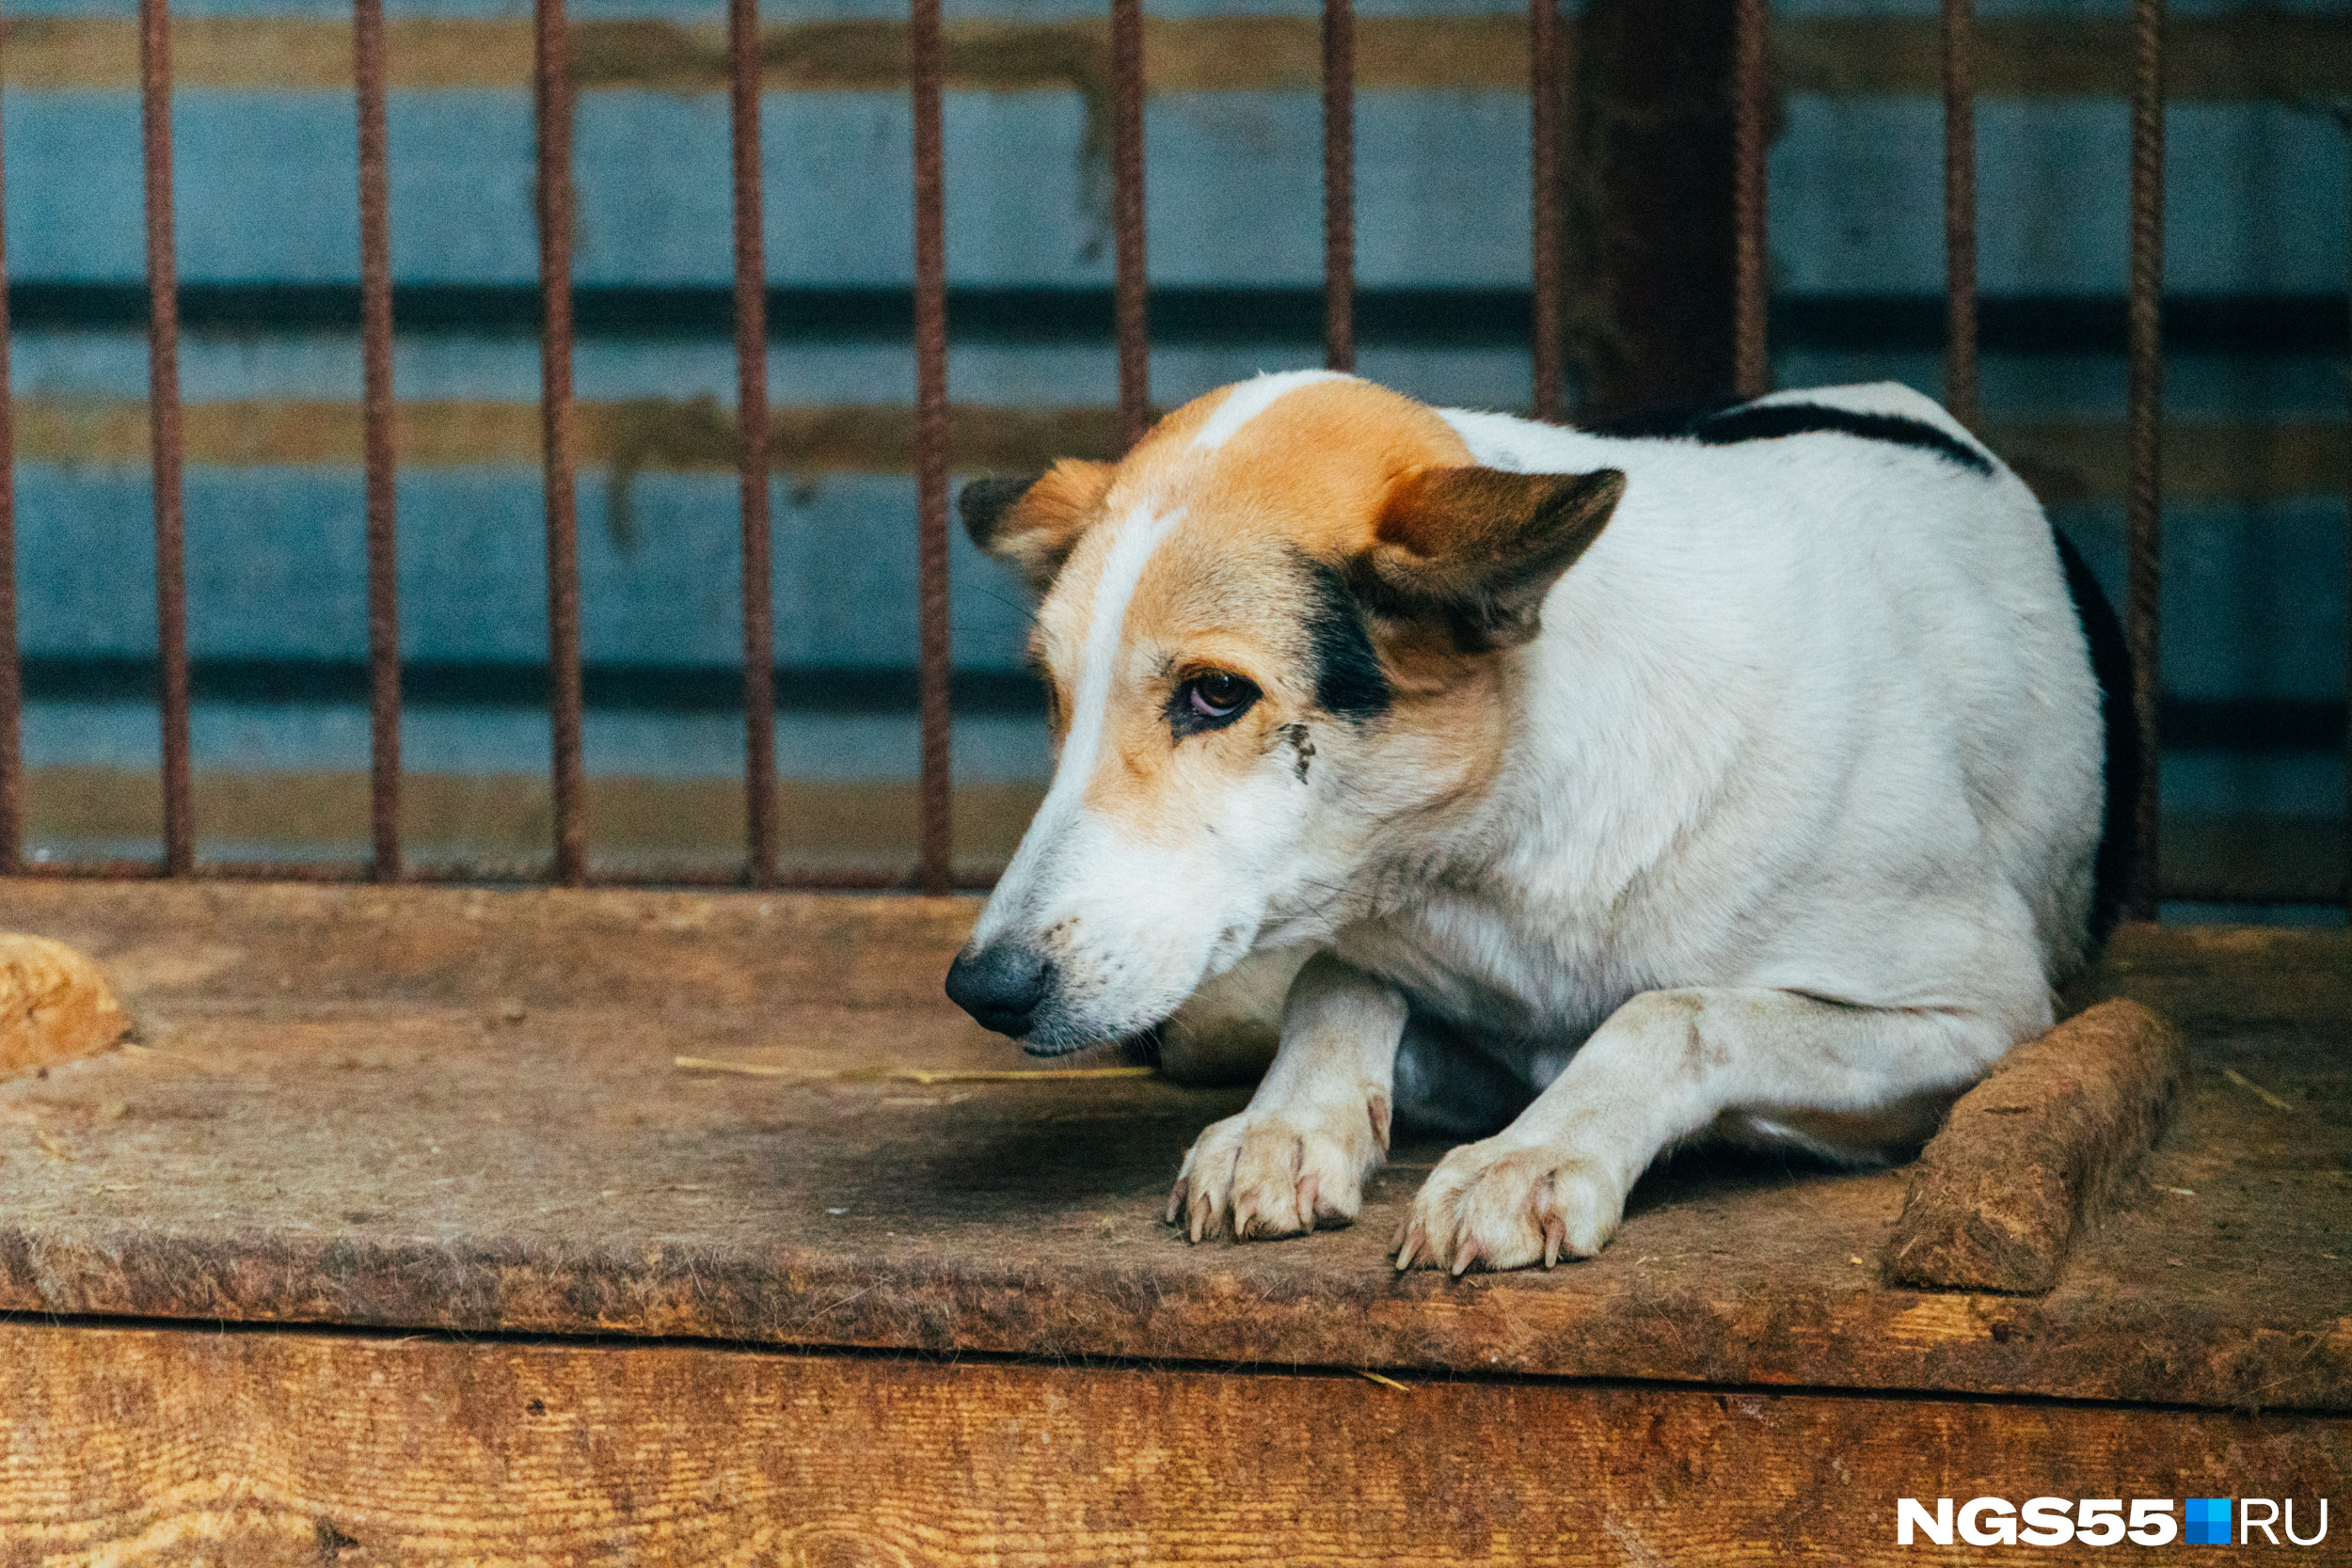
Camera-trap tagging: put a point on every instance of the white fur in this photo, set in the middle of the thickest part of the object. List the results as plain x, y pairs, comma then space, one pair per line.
1796, 817
1248, 400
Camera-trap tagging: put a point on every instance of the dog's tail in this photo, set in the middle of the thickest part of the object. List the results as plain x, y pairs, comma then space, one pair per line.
2111, 662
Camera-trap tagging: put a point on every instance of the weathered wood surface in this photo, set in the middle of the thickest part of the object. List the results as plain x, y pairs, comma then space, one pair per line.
2032, 1154
186, 1446
452, 1110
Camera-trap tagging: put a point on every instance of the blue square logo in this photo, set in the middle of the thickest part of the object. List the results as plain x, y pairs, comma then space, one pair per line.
2208, 1521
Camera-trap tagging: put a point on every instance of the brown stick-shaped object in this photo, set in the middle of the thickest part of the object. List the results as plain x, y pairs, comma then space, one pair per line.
2030, 1154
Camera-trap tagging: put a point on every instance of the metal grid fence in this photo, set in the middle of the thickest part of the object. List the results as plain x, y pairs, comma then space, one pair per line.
554, 106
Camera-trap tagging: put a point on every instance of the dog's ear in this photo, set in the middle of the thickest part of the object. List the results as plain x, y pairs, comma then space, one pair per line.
1476, 549
1033, 523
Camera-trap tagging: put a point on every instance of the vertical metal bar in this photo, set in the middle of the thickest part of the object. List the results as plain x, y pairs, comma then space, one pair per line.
1751, 372
1339, 184
376, 354
1959, 211
552, 88
2144, 494
930, 438
1543, 92
751, 406
12, 681
2343, 119
1134, 327
163, 424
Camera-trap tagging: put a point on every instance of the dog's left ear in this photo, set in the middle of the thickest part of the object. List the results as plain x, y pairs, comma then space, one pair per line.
1478, 548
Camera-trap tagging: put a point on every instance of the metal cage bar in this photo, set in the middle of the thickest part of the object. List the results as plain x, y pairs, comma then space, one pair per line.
164, 435
1543, 92
1129, 288
751, 410
552, 85
383, 515
2144, 487
1751, 372
932, 872
1339, 184
12, 672
1959, 211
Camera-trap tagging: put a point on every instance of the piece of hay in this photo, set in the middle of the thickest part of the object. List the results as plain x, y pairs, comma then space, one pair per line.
55, 1004
2030, 1153
901, 1075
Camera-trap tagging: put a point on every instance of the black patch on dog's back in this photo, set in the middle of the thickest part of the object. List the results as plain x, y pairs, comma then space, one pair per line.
1350, 682
1723, 425
2111, 662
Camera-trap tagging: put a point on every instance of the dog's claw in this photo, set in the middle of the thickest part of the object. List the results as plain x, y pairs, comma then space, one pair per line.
1464, 1259
1309, 1193
1176, 1201
1555, 1232
1407, 1247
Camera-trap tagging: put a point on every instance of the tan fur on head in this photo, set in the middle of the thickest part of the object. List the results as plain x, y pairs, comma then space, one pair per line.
1479, 549
1033, 523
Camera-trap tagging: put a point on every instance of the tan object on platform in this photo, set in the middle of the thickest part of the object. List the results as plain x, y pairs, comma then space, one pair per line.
55, 1004
2031, 1154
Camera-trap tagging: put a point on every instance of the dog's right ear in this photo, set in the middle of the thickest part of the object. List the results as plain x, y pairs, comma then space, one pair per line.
1033, 524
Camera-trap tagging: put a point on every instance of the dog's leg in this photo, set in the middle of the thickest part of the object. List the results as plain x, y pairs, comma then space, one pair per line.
1663, 1066
1318, 1124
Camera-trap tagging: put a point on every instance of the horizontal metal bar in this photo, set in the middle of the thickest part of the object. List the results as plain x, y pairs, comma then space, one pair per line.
2010, 324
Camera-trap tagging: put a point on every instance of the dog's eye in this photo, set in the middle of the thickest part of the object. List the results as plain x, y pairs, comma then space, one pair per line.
1210, 701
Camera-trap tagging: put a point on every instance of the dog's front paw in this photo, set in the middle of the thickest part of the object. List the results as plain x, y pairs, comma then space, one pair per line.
1504, 1206
1278, 1172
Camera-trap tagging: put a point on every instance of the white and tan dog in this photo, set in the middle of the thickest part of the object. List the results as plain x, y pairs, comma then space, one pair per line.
1743, 777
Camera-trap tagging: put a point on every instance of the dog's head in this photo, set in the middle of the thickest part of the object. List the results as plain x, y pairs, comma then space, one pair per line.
1272, 633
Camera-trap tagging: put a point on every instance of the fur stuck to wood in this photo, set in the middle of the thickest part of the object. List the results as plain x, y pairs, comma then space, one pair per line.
55, 1004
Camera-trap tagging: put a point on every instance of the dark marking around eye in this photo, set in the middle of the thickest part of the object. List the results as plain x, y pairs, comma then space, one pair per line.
1350, 682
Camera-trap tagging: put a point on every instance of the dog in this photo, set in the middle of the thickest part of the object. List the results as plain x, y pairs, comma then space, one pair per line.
1741, 775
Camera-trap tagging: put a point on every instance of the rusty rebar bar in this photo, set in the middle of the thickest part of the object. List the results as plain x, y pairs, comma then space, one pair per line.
2144, 486
164, 435
1127, 212
383, 514
751, 415
1543, 76
931, 442
552, 105
1339, 184
12, 671
1959, 211
1751, 370
2343, 119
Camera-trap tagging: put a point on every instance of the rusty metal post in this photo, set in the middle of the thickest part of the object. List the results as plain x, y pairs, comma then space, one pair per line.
11, 673
375, 353
1339, 184
751, 407
2144, 493
1751, 370
552, 92
1134, 325
1959, 211
931, 442
164, 435
1543, 76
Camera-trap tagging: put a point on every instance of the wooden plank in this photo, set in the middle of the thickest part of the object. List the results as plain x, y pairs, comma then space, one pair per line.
457, 1110
2213, 58
2032, 1154
182, 1445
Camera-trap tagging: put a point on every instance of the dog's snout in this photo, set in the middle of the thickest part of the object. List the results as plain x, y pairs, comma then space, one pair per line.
1001, 985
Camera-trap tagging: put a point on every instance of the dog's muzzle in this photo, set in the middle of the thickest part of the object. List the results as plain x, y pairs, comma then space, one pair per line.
1002, 985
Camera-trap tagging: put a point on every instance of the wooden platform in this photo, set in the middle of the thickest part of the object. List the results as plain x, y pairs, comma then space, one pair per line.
401, 1235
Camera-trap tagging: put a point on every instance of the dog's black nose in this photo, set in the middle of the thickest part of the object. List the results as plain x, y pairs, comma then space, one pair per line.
1001, 985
